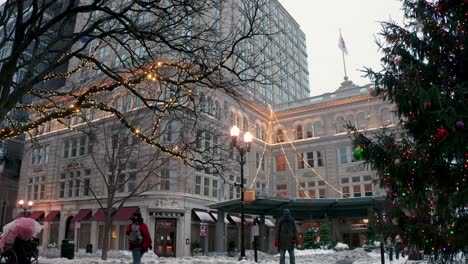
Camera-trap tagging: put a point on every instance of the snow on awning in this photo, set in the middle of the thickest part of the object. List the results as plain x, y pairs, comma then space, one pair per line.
215, 216
204, 216
269, 223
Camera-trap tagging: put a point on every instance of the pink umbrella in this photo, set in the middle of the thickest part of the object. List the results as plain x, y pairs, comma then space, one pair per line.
22, 228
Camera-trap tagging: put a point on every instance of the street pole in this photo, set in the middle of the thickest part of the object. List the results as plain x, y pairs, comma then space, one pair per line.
242, 162
243, 149
3, 214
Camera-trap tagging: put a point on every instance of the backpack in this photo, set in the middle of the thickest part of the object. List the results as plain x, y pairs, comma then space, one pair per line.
135, 236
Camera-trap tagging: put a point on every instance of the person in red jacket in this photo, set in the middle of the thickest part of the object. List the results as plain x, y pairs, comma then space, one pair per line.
138, 249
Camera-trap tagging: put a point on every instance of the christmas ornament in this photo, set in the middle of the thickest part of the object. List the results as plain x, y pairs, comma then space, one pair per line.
395, 221
441, 133
397, 162
460, 124
427, 105
358, 153
397, 60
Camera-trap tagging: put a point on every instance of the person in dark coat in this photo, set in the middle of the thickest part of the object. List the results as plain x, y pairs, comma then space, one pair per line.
138, 249
286, 236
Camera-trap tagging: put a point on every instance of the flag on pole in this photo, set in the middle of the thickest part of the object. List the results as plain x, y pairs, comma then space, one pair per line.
342, 45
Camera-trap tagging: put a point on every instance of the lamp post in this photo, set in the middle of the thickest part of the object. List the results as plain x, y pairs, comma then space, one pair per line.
243, 149
21, 204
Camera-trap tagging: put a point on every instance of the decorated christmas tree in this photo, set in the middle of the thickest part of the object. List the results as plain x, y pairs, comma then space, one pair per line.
310, 239
424, 167
325, 233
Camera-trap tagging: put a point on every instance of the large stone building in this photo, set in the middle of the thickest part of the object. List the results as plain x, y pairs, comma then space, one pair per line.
300, 150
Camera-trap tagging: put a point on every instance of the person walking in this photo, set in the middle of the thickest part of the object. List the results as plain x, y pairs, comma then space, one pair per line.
398, 247
139, 239
390, 248
286, 237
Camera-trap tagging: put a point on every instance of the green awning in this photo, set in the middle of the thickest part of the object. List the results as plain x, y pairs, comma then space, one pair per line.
305, 209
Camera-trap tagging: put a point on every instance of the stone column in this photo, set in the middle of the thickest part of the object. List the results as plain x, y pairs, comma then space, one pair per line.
220, 237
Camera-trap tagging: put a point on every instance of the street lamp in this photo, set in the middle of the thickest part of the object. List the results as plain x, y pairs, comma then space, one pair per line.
243, 149
21, 204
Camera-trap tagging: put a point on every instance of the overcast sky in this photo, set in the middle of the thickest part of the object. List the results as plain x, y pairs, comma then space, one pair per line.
358, 20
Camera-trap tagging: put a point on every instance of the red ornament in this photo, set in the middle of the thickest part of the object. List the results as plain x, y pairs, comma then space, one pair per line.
427, 105
441, 133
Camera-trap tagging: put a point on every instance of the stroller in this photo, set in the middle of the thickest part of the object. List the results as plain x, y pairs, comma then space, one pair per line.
21, 252
17, 244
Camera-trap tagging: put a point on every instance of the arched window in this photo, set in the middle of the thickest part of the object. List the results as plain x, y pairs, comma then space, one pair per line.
201, 103
350, 119
340, 122
299, 132
245, 124
258, 131
209, 106
309, 130
263, 133
386, 117
216, 110
317, 128
232, 119
361, 121
279, 135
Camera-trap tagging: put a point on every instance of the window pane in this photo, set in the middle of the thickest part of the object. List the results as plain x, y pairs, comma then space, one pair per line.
280, 163
300, 161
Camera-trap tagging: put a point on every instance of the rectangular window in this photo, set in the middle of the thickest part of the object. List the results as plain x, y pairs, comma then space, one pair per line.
214, 190
74, 148
322, 193
319, 159
300, 161
310, 159
368, 189
198, 180
70, 188
36, 191
121, 183
280, 163
357, 190
66, 149
62, 190
29, 192
343, 155
42, 193
82, 145
206, 186
312, 193
77, 188
86, 187
345, 191
131, 182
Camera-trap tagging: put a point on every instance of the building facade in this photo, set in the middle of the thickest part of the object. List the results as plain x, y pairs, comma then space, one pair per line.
300, 150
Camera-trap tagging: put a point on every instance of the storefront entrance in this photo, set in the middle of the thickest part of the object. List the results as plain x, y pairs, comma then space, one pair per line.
165, 236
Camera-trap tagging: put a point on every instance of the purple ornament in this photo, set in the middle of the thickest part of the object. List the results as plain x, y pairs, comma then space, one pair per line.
460, 124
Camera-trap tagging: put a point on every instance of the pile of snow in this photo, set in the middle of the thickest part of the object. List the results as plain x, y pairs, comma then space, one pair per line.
340, 246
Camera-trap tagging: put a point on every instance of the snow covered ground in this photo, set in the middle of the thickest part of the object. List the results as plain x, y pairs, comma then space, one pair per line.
356, 256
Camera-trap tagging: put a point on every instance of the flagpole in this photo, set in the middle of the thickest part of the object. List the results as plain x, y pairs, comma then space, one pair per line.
344, 62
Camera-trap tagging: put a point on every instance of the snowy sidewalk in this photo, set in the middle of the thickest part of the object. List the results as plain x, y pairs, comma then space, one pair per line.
356, 256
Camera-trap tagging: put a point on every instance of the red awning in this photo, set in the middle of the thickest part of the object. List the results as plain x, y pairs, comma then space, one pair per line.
82, 215
36, 215
51, 216
124, 213
99, 215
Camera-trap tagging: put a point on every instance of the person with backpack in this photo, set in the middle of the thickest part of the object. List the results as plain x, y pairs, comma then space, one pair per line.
286, 237
139, 239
